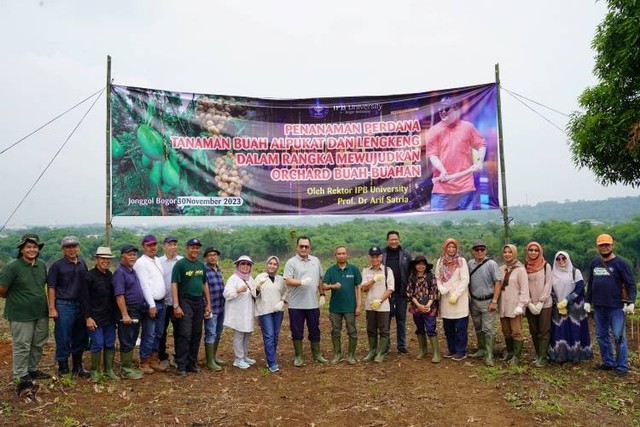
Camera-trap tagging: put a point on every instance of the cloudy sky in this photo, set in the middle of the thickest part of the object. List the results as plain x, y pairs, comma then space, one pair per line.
54, 55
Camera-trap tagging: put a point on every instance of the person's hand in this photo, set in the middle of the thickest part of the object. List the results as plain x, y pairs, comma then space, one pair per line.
53, 313
477, 167
587, 307
178, 313
152, 312
539, 306
322, 301
378, 277
563, 311
375, 304
261, 280
493, 306
443, 290
563, 304
453, 298
629, 308
126, 319
242, 289
518, 311
305, 282
533, 309
279, 306
91, 324
337, 285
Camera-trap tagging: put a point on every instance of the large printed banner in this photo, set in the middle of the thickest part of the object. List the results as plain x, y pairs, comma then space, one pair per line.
193, 154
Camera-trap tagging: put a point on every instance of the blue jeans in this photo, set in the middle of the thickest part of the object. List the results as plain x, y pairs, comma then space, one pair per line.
270, 325
612, 320
452, 202
104, 337
152, 330
425, 325
70, 330
455, 331
213, 328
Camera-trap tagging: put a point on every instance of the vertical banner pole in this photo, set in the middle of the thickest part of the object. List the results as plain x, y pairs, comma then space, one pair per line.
107, 223
503, 174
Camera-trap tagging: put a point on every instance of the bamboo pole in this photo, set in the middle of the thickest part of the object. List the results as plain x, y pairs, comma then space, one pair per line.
107, 223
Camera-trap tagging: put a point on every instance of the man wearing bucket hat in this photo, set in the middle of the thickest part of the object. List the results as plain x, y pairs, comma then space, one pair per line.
22, 283
64, 282
611, 293
98, 308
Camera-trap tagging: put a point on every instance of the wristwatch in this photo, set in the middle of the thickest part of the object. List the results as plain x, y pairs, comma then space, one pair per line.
494, 301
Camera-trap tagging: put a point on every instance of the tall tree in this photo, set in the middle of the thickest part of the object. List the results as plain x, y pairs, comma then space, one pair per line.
606, 137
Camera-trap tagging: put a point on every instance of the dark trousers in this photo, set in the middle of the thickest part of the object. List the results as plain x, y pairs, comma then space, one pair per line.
297, 318
168, 317
540, 324
128, 334
189, 333
399, 312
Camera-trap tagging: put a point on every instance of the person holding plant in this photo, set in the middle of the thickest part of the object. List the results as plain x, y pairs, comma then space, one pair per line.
514, 297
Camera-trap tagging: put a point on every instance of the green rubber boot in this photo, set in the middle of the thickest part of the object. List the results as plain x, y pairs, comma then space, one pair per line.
437, 357
297, 350
215, 354
315, 352
490, 343
422, 343
373, 348
543, 355
517, 352
479, 354
508, 350
353, 344
211, 358
337, 350
95, 366
109, 355
126, 367
382, 344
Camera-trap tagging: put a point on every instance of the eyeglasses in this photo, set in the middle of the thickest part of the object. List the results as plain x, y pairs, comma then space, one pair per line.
479, 249
304, 246
561, 258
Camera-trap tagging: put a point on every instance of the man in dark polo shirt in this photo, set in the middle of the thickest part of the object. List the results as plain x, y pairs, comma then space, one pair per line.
64, 282
188, 285
131, 305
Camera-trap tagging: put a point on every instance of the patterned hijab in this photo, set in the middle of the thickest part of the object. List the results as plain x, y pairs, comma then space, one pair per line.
448, 264
537, 264
562, 281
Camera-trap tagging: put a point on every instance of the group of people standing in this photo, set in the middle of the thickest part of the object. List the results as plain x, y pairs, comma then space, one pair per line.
147, 292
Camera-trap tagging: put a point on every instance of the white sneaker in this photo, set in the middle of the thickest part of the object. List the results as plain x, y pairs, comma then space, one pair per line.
240, 363
249, 361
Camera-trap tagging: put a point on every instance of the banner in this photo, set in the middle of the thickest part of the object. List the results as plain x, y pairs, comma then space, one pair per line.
194, 154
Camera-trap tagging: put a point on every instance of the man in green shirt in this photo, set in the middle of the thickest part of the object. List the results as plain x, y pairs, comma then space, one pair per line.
22, 283
343, 280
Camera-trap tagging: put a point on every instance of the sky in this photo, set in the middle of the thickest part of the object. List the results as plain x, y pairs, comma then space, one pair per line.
55, 54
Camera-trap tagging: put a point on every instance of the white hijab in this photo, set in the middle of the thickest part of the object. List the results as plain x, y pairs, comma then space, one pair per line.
563, 281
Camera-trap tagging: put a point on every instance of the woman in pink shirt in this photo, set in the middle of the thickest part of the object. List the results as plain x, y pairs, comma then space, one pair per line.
540, 302
514, 297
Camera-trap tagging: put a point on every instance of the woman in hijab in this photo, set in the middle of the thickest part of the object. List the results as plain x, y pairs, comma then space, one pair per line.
270, 297
452, 276
422, 293
514, 297
239, 310
540, 303
570, 339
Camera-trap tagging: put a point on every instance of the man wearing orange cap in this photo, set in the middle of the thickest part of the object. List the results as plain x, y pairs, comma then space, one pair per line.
612, 293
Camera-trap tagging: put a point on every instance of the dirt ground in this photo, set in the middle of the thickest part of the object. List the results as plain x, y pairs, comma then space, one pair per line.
401, 391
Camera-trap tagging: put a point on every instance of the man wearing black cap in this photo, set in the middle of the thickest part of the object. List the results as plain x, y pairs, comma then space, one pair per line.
131, 304
63, 283
398, 260
213, 325
168, 260
484, 288
22, 283
188, 285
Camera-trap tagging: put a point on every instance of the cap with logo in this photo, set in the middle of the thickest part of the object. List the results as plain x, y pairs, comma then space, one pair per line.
375, 250
149, 239
604, 239
194, 242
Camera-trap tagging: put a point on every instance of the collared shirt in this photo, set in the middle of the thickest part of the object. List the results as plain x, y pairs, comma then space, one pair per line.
303, 297
190, 276
167, 268
66, 277
216, 288
343, 300
151, 276
482, 283
27, 298
126, 282
97, 297
379, 287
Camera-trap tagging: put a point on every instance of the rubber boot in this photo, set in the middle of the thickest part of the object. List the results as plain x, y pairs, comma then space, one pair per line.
95, 366
63, 367
211, 358
536, 346
543, 356
490, 343
337, 350
315, 352
155, 363
382, 345
77, 368
437, 357
353, 344
109, 355
297, 350
508, 350
215, 354
480, 353
517, 352
373, 348
422, 343
126, 367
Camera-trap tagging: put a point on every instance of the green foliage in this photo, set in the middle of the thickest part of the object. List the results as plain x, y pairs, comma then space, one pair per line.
606, 137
